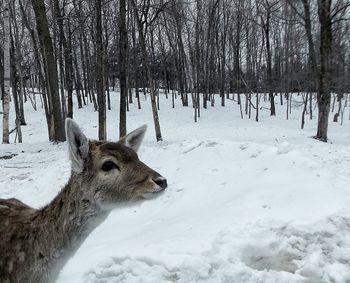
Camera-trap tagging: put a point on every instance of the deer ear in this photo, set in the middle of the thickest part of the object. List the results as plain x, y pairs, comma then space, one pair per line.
78, 145
134, 139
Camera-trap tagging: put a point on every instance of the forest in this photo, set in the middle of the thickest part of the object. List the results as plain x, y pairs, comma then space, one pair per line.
65, 54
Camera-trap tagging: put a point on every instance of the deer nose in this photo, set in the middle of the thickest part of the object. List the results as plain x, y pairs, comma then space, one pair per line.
161, 182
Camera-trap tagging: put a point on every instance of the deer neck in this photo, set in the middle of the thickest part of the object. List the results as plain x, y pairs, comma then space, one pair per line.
67, 221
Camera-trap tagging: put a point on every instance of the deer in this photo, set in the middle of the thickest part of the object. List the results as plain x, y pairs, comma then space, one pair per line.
35, 244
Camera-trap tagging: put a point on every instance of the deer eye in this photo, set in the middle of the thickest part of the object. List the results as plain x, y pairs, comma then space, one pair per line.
109, 165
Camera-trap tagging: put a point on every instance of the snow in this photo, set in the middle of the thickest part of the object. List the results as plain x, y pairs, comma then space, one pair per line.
246, 202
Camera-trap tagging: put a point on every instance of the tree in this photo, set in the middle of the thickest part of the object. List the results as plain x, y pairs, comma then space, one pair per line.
56, 128
324, 92
6, 94
15, 93
142, 28
68, 61
17, 33
101, 96
269, 7
123, 45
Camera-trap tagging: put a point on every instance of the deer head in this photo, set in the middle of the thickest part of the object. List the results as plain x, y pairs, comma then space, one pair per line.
111, 172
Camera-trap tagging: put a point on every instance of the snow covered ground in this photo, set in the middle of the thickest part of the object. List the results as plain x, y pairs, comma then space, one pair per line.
246, 202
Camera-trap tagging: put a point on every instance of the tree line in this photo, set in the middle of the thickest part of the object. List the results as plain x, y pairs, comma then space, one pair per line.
205, 52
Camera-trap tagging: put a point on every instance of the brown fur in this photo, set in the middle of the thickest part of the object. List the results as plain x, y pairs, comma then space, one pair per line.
36, 243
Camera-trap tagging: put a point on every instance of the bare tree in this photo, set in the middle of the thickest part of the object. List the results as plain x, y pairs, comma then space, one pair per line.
265, 16
56, 129
123, 46
17, 35
324, 92
142, 24
68, 60
101, 96
6, 93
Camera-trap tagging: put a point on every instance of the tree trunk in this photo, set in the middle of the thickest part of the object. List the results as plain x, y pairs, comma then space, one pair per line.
311, 47
101, 96
324, 93
17, 55
68, 61
15, 93
106, 57
6, 94
41, 68
123, 41
269, 65
51, 68
148, 73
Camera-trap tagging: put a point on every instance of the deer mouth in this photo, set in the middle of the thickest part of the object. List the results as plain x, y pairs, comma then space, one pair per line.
155, 192
158, 189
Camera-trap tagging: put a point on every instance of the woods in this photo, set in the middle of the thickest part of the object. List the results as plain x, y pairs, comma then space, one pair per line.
69, 54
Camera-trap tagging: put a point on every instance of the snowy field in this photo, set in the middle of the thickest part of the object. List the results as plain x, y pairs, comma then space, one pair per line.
246, 202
